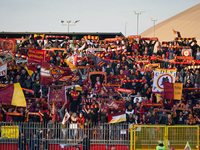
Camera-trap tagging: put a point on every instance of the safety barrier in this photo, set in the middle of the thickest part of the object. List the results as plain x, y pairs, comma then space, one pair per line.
102, 136
147, 137
51, 136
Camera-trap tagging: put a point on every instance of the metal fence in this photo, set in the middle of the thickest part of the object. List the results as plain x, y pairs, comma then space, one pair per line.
120, 136
146, 136
56, 136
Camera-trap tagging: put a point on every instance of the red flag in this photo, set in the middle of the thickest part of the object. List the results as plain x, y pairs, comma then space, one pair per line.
7, 44
51, 73
36, 56
173, 90
124, 90
168, 90
121, 105
13, 95
57, 95
112, 105
30, 67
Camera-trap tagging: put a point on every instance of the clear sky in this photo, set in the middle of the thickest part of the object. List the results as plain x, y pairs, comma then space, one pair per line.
94, 16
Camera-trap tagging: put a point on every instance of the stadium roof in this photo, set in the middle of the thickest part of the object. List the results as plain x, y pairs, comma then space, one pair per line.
186, 22
77, 35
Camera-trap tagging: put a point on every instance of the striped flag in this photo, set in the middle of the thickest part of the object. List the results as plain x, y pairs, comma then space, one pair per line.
99, 62
51, 73
13, 95
117, 117
173, 90
30, 69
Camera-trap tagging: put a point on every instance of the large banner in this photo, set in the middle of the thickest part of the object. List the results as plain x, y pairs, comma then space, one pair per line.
51, 73
10, 132
36, 56
3, 70
161, 76
173, 90
4, 58
57, 95
7, 44
121, 105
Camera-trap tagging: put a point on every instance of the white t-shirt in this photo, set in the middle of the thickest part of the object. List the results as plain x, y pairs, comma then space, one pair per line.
140, 99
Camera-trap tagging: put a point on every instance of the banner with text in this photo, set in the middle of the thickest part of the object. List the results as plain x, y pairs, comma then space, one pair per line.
3, 70
36, 56
10, 132
5, 58
161, 76
57, 95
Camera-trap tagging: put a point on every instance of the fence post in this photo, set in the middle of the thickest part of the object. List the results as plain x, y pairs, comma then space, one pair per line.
197, 137
166, 137
131, 138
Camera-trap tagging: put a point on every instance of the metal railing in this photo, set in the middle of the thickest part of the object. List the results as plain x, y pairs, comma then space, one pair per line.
50, 136
147, 136
101, 136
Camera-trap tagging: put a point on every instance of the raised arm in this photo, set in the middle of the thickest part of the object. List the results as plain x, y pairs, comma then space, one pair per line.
63, 107
99, 107
3, 110
87, 111
49, 106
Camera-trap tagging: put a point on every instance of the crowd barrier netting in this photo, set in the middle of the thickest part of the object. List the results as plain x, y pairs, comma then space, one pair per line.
147, 136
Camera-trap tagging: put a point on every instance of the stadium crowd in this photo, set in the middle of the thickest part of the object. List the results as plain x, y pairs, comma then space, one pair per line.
96, 93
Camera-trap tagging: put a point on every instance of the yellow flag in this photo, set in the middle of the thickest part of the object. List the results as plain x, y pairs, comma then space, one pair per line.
158, 97
78, 88
18, 98
178, 88
30, 72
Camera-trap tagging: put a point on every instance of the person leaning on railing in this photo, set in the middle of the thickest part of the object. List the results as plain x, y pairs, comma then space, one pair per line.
81, 122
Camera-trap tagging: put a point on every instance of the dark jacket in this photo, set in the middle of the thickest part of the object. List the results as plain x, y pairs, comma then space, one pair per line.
34, 145
151, 120
22, 143
169, 122
86, 144
28, 83
162, 119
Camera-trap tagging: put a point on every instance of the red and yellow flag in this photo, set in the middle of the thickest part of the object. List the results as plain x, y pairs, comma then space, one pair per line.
13, 95
51, 73
173, 90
